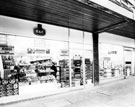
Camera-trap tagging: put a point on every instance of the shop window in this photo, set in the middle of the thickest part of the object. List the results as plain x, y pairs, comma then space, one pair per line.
76, 36
111, 60
56, 32
88, 47
76, 46
88, 38
41, 61
22, 44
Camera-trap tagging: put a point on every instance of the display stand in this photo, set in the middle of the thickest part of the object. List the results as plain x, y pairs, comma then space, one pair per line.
45, 72
88, 68
64, 74
77, 71
8, 86
77, 65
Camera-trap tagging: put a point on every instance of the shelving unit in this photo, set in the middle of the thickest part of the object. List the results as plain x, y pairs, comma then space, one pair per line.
88, 69
7, 55
44, 71
64, 74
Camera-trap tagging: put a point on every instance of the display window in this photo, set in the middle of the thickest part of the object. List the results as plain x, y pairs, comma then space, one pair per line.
111, 60
40, 61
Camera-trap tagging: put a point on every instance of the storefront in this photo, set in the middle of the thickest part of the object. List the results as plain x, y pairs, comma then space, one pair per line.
55, 58
50, 58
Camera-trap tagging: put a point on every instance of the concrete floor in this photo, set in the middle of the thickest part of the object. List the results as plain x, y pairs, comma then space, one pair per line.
120, 93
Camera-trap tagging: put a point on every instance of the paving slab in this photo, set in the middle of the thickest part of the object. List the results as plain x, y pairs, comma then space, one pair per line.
58, 103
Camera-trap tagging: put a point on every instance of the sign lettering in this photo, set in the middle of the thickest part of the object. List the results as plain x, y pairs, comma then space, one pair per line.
39, 30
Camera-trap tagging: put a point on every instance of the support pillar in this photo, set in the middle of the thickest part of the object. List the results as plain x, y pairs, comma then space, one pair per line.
95, 59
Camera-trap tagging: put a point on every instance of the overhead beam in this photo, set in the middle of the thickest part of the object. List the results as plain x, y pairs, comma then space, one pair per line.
112, 27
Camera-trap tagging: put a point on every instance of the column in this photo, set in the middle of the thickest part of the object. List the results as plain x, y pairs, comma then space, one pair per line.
95, 59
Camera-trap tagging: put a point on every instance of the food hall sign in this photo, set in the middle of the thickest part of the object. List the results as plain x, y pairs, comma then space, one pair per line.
39, 30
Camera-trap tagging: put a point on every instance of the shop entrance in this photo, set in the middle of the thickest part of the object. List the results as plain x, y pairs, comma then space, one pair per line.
128, 61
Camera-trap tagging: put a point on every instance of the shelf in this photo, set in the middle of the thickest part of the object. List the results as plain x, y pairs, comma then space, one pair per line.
39, 60
24, 64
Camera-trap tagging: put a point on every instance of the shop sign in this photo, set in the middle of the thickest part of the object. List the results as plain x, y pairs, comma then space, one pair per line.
64, 53
39, 30
4, 49
38, 51
112, 52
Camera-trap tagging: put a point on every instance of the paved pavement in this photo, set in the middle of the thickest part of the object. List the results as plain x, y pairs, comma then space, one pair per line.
115, 94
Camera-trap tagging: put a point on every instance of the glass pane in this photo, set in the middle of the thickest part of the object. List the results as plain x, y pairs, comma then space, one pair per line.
111, 60
56, 33
76, 36
76, 67
88, 38
60, 54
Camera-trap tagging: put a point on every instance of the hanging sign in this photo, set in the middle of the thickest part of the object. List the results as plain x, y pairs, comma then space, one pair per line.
39, 30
